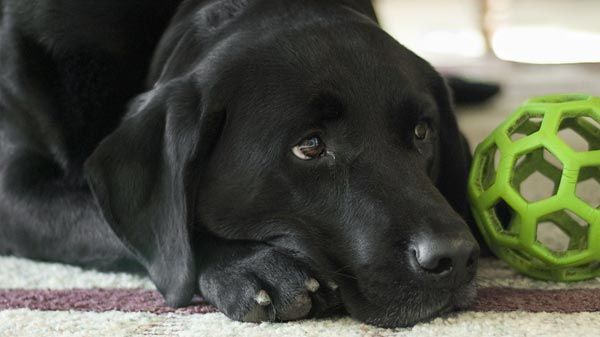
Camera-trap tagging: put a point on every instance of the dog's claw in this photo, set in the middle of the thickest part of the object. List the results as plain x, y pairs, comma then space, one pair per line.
262, 298
332, 285
312, 285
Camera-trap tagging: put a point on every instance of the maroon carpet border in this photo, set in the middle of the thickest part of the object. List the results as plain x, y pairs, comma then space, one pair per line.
95, 300
138, 300
538, 300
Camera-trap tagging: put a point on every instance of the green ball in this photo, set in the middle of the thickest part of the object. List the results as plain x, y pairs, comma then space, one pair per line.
534, 188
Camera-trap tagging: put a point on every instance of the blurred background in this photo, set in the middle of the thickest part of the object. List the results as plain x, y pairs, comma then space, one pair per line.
529, 47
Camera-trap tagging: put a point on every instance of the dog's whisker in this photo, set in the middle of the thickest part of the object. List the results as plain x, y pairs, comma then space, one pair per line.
341, 268
332, 285
345, 275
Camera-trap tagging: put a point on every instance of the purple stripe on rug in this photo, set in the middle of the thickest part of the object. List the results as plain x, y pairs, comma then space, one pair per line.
137, 300
538, 300
96, 300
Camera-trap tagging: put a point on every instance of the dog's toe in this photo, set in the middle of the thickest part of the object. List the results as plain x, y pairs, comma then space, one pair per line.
312, 285
298, 308
260, 310
262, 298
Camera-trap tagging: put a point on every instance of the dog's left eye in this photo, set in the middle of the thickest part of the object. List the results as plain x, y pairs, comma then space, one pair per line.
422, 131
309, 148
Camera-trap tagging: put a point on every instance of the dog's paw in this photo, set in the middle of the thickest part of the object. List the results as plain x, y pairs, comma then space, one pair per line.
268, 285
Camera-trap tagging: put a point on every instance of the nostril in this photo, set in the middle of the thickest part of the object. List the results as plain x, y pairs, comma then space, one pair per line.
433, 264
471, 261
443, 266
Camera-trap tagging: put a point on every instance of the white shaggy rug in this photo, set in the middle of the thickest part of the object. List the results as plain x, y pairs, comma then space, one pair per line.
40, 315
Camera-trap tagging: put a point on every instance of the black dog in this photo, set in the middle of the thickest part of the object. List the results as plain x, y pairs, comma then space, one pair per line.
283, 158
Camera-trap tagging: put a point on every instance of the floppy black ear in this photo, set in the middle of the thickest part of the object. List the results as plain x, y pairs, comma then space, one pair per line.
455, 163
141, 177
454, 155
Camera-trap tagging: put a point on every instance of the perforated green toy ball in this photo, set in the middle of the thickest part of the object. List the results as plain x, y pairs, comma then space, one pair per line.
534, 188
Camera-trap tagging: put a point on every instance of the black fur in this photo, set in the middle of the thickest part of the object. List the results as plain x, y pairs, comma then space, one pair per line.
128, 141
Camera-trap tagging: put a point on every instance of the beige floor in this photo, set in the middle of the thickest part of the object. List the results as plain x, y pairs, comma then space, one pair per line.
444, 31
519, 82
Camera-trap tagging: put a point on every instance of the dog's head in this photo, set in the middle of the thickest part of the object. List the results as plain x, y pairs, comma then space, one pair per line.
325, 137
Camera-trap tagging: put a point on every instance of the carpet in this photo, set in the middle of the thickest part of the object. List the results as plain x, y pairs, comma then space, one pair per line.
49, 299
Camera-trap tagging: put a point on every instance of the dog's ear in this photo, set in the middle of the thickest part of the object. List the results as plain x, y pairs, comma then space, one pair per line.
454, 164
143, 177
454, 155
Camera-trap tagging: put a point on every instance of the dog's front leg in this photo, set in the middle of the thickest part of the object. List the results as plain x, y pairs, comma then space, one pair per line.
255, 282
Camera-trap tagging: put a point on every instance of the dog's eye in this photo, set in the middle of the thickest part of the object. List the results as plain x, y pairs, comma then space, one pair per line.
422, 131
310, 148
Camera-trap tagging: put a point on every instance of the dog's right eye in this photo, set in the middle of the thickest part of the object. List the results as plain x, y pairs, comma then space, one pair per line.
309, 148
422, 131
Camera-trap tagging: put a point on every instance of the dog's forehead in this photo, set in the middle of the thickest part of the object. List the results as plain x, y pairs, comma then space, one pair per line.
299, 76
292, 99
344, 88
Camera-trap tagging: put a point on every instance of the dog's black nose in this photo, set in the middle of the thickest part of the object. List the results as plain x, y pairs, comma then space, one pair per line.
446, 258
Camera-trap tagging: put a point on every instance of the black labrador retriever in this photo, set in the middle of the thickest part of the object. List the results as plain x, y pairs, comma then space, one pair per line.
282, 158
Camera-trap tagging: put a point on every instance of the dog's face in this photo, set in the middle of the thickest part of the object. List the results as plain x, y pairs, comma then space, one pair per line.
336, 155
337, 144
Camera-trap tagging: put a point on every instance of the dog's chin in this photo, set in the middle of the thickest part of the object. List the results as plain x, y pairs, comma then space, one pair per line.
413, 307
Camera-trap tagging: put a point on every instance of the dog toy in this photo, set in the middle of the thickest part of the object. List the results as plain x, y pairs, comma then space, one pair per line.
534, 188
